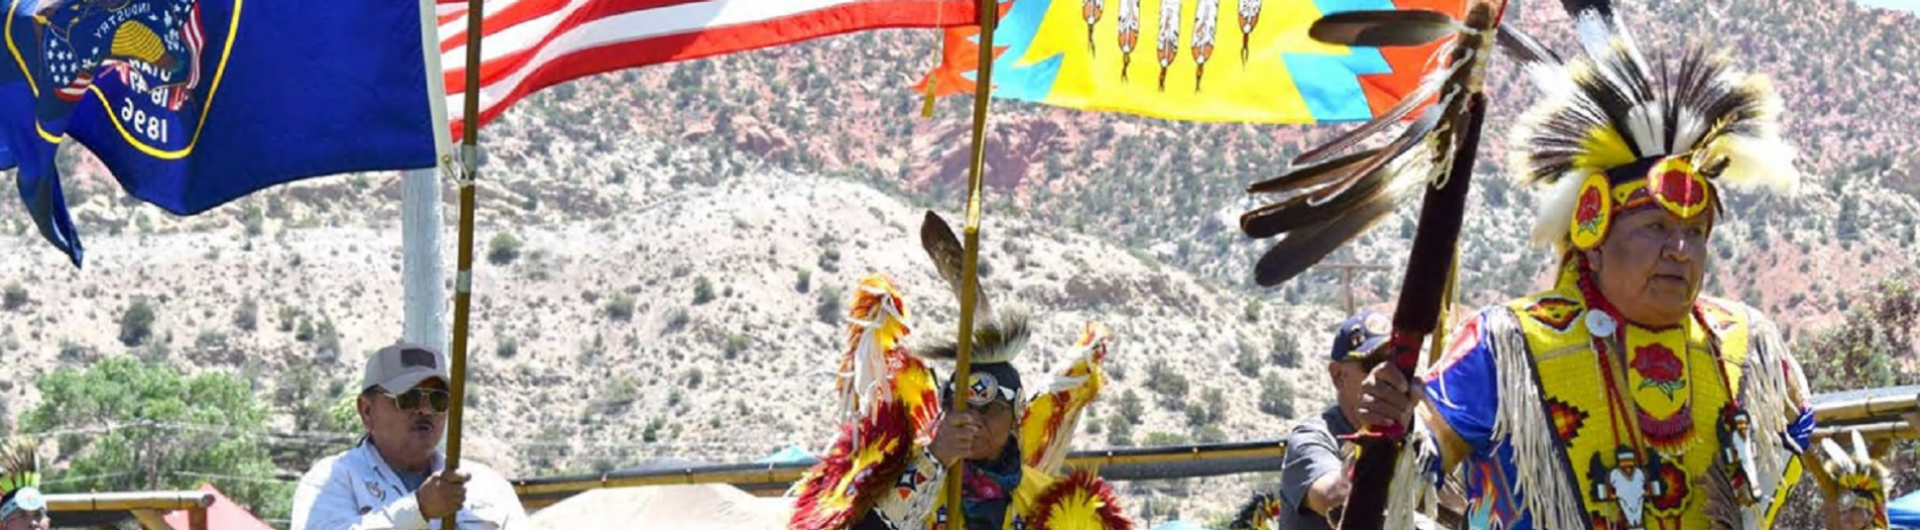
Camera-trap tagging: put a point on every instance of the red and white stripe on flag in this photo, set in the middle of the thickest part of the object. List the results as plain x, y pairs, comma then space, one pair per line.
529, 45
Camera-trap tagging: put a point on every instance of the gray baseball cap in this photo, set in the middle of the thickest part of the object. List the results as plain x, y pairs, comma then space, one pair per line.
400, 367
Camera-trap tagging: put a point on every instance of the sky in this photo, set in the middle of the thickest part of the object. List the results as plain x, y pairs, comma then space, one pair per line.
1905, 5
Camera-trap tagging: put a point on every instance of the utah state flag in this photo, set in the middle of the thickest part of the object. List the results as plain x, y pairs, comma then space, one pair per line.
193, 103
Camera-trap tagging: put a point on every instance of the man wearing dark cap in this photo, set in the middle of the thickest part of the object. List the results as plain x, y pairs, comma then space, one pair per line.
394, 478
1313, 483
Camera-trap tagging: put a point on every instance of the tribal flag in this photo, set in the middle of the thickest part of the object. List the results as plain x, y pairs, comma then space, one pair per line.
1198, 60
533, 44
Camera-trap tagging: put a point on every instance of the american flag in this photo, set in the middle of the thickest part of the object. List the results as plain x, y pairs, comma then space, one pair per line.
529, 45
196, 43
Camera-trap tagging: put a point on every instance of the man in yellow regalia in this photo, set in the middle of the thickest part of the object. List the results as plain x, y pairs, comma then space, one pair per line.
1623, 398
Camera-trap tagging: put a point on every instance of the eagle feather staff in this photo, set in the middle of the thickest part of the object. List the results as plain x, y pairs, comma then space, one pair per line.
1335, 197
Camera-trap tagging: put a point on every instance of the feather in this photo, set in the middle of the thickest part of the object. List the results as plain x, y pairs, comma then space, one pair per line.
1316, 175
1547, 68
1305, 247
1723, 507
936, 236
1593, 20
1414, 135
1294, 212
1384, 28
1554, 218
857, 472
1259, 513
1054, 413
993, 342
1757, 163
19, 465
1414, 100
1524, 48
1081, 501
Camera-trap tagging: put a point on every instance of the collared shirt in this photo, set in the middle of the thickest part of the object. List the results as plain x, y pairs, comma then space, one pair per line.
1313, 451
357, 490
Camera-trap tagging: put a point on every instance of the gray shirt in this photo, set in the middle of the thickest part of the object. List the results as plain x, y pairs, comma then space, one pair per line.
1313, 451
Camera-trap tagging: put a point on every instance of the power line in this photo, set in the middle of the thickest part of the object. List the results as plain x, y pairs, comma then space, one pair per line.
64, 480
257, 480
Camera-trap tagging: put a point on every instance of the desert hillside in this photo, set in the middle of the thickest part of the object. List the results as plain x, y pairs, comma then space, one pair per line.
664, 251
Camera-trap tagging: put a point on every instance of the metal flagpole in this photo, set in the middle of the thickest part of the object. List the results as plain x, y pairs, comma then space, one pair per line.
969, 270
423, 274
463, 281
421, 262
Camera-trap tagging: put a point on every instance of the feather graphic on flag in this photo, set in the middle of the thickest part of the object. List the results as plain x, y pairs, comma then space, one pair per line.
1249, 19
1091, 9
1205, 23
1129, 33
1169, 46
1284, 76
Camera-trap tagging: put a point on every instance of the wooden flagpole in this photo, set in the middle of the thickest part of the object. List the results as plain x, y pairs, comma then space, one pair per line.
969, 270
463, 281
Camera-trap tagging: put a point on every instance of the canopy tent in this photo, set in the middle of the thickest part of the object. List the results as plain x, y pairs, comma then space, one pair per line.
687, 507
1904, 512
793, 454
1178, 525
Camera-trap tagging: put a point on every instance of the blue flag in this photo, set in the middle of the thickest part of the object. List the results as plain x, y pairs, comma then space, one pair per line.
193, 103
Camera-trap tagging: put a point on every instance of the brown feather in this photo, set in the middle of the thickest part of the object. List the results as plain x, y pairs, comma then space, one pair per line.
1723, 511
1297, 211
1414, 135
1313, 176
1525, 48
1406, 106
1304, 248
1383, 28
936, 236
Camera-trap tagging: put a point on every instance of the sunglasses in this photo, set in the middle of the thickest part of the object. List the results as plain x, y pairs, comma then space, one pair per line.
411, 399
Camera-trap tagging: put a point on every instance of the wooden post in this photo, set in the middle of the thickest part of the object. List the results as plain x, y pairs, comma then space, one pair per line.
1346, 278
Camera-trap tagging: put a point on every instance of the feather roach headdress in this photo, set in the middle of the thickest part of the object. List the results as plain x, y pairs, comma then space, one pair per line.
997, 337
1615, 132
20, 477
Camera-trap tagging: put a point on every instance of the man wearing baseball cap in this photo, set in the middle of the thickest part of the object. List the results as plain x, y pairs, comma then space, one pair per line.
395, 476
1313, 483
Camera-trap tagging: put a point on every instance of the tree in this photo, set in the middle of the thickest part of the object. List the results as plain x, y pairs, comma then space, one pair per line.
620, 307
1130, 406
1247, 362
136, 324
702, 290
827, 306
14, 298
1276, 396
134, 426
247, 316
1286, 350
1169, 384
1852, 356
1119, 432
1860, 351
503, 249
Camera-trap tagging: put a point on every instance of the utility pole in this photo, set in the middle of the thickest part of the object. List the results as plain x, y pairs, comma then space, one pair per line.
1347, 271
